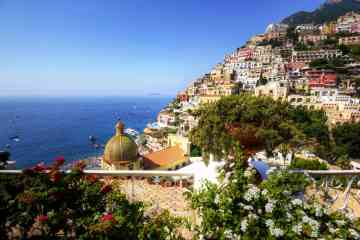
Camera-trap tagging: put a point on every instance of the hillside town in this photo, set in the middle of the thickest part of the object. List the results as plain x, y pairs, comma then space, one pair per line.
314, 66
264, 146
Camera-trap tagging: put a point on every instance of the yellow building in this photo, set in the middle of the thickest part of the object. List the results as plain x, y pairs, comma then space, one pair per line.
329, 28
183, 142
209, 99
276, 90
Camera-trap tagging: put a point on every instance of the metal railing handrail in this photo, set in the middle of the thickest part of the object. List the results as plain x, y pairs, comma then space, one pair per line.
121, 173
328, 172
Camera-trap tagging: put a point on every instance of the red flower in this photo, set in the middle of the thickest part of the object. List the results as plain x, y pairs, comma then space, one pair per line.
108, 217
55, 176
42, 218
106, 188
59, 161
40, 167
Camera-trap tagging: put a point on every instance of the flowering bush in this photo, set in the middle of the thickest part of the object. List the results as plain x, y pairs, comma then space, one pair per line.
240, 209
45, 203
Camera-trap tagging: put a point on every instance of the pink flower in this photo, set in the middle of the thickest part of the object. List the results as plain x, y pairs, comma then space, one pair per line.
108, 217
59, 161
42, 218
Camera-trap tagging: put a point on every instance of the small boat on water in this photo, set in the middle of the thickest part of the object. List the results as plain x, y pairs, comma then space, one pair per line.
15, 138
132, 132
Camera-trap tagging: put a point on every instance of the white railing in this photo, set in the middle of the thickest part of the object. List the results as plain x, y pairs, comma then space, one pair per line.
320, 173
121, 173
339, 189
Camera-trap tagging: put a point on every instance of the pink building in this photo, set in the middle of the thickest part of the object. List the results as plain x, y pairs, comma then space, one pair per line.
239, 55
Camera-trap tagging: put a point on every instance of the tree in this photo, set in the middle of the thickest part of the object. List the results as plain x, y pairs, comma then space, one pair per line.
195, 151
292, 34
344, 49
357, 86
238, 126
323, 63
262, 80
319, 63
348, 136
330, 41
355, 50
301, 47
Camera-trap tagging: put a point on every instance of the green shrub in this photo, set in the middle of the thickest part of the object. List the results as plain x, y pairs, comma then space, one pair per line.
308, 164
195, 151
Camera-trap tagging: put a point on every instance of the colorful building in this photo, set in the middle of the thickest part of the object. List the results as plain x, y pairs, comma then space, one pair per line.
312, 38
346, 22
321, 78
352, 40
309, 56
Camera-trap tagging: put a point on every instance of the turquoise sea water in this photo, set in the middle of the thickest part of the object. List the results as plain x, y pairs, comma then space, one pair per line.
51, 127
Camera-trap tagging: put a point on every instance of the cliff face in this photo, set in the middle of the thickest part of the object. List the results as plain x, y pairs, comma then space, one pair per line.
329, 11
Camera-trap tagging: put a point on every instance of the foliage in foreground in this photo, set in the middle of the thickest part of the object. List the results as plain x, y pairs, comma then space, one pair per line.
42, 204
240, 209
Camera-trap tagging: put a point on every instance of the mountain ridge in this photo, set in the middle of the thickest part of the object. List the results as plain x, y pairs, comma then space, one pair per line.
328, 11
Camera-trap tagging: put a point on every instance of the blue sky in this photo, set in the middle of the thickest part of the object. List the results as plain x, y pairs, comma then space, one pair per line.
124, 47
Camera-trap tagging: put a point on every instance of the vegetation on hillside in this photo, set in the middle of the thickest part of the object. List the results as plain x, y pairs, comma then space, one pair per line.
332, 64
347, 137
326, 13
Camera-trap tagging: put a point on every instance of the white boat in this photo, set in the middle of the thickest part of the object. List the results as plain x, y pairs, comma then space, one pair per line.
132, 132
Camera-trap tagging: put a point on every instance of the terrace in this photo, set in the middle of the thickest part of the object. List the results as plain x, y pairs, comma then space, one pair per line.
165, 190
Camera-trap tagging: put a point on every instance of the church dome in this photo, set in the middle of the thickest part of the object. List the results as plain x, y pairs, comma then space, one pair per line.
120, 150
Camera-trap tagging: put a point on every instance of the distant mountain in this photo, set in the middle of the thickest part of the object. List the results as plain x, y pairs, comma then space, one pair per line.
329, 11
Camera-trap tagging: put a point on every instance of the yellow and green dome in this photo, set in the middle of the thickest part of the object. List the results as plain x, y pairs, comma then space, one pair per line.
120, 150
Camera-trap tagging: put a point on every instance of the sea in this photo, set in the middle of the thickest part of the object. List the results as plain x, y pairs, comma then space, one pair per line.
39, 129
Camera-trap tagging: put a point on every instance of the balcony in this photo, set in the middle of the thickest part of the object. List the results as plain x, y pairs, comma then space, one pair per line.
164, 190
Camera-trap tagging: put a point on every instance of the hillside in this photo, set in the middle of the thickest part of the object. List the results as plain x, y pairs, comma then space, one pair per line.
329, 11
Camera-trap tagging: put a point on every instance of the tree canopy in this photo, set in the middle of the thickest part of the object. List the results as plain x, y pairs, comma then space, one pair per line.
347, 136
245, 124
327, 64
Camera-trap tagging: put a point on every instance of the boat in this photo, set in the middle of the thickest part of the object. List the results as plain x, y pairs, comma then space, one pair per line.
131, 132
15, 138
